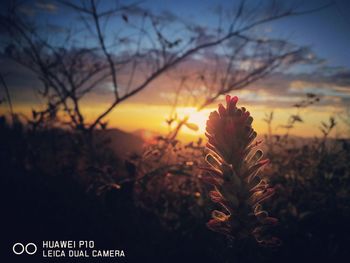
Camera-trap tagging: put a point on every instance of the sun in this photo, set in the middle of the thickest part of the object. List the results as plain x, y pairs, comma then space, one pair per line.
197, 117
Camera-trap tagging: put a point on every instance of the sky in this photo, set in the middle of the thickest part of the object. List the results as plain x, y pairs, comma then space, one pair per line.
325, 33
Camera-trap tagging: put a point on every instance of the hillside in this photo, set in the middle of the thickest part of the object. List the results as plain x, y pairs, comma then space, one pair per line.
121, 142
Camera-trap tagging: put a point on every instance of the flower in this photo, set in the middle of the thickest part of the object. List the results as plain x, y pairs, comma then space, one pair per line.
233, 171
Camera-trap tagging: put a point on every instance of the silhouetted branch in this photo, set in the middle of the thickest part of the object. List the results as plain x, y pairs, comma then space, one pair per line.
8, 97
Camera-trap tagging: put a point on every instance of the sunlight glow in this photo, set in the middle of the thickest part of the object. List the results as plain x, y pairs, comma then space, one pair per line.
197, 117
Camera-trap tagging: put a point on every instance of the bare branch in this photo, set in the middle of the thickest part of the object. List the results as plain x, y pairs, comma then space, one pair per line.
8, 97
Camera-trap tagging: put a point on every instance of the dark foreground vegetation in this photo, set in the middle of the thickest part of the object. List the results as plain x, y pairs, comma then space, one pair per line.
60, 185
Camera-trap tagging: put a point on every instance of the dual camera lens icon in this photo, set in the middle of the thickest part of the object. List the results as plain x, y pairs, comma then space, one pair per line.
20, 248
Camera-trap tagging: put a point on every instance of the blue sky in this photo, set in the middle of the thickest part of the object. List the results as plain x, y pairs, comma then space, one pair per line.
326, 31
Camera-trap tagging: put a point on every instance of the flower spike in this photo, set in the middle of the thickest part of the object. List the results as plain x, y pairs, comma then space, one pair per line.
233, 171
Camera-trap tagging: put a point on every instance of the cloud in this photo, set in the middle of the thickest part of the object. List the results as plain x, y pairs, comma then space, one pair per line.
27, 10
46, 6
280, 89
32, 8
